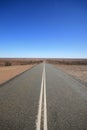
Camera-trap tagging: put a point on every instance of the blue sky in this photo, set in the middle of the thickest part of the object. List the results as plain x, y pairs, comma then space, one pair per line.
43, 28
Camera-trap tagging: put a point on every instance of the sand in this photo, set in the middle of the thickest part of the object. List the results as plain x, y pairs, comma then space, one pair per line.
6, 73
78, 71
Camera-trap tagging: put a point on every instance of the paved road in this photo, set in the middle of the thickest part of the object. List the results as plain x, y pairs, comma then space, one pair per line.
43, 98
66, 101
19, 101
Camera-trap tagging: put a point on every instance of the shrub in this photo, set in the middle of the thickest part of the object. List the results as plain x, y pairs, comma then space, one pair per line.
7, 63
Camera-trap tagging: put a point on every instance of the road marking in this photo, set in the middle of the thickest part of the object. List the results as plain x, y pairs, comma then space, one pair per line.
38, 124
45, 105
42, 92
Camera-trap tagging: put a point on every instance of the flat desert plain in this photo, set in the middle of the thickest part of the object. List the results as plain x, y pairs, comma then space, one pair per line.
8, 72
78, 71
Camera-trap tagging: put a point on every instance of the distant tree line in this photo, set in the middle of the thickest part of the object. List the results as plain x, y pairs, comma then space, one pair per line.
10, 63
68, 62
30, 62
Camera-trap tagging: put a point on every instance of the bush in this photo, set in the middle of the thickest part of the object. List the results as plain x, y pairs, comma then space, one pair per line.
7, 63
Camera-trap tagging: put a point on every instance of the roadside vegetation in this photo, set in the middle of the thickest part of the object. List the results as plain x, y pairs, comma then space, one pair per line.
7, 63
68, 61
12, 62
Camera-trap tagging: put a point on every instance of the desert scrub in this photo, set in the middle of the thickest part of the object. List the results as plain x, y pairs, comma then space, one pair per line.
7, 63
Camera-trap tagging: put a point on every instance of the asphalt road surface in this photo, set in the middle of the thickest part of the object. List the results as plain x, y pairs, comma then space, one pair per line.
43, 98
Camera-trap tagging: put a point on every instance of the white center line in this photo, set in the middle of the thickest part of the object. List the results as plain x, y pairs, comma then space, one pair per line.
45, 105
43, 90
38, 123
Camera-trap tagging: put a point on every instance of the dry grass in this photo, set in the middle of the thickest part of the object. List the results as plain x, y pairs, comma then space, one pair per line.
7, 73
79, 71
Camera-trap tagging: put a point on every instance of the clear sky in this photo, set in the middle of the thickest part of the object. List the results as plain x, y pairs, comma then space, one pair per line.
43, 28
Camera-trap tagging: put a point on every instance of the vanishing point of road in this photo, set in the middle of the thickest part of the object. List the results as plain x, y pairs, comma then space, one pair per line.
43, 98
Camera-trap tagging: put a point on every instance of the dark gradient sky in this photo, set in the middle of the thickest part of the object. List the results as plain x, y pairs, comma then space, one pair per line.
43, 28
